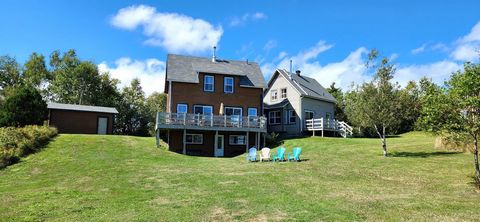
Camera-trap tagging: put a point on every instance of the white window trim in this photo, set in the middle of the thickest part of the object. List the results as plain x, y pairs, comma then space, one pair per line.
193, 134
290, 116
276, 95
281, 93
230, 140
230, 107
248, 111
225, 84
205, 83
182, 104
203, 108
270, 117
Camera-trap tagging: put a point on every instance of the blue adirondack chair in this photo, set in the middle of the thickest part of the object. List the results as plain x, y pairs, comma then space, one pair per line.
252, 154
280, 156
295, 156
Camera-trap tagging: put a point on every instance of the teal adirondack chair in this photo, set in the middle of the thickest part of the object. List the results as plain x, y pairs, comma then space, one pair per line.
280, 154
252, 154
295, 156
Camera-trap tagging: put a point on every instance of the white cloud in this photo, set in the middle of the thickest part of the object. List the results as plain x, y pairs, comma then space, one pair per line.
419, 49
237, 21
151, 73
437, 71
174, 32
467, 48
270, 45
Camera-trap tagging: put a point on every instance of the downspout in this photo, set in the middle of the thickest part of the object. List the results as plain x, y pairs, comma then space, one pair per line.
300, 115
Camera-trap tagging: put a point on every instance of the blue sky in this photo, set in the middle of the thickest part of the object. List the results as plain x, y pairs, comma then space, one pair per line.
327, 40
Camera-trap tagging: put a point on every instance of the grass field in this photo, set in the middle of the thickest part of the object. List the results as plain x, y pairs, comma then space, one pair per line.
118, 178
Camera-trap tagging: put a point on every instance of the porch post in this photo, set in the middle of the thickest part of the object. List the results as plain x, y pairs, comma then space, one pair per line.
215, 146
184, 141
258, 140
246, 142
157, 136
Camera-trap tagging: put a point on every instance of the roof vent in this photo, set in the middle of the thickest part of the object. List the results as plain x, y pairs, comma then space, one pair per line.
298, 72
214, 57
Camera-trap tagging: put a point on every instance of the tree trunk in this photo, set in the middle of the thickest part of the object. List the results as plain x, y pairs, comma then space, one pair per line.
384, 143
475, 155
383, 139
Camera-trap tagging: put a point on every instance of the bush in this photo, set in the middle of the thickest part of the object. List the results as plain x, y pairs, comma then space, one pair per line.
19, 142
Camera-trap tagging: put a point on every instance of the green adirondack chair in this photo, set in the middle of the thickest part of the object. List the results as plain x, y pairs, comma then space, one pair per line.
295, 156
280, 156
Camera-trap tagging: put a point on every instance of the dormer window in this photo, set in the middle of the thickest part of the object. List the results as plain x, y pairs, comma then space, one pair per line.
274, 95
283, 93
228, 85
208, 83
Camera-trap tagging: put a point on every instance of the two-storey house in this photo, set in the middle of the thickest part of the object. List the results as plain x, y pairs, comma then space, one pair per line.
214, 106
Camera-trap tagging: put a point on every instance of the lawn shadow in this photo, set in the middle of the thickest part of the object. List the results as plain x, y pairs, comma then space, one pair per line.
421, 154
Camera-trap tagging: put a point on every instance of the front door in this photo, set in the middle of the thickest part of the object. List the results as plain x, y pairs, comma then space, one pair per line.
102, 125
220, 146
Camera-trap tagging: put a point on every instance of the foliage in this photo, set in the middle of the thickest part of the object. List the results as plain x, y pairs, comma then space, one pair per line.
376, 104
133, 117
340, 114
454, 111
156, 102
10, 73
24, 106
272, 140
19, 142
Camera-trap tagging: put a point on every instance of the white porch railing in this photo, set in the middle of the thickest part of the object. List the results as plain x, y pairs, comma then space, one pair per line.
329, 125
190, 120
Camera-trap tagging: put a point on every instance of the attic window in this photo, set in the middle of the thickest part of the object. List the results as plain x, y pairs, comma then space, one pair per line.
274, 95
283, 93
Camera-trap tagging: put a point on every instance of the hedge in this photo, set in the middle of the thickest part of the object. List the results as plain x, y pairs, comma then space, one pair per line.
19, 142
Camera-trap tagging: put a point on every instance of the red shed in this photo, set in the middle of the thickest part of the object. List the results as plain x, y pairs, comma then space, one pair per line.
80, 119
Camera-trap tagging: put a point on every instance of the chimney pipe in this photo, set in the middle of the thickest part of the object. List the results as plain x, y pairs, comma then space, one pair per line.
214, 57
291, 66
298, 72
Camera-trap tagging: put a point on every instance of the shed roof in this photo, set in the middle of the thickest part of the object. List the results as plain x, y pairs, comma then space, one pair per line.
98, 109
182, 68
305, 85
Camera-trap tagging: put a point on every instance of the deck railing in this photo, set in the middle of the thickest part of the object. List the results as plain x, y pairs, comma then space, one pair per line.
210, 121
329, 125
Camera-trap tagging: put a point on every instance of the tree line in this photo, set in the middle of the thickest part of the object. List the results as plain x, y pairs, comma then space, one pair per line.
25, 89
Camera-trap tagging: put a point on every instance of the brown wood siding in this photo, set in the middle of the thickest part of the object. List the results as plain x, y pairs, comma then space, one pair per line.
193, 94
207, 148
78, 122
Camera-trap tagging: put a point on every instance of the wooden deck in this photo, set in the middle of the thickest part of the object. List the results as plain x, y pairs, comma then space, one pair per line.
329, 125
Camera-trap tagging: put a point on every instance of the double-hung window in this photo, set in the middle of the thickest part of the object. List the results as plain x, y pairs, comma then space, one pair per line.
228, 83
274, 95
194, 138
252, 111
182, 108
206, 111
274, 117
234, 113
283, 93
292, 116
208, 83
237, 140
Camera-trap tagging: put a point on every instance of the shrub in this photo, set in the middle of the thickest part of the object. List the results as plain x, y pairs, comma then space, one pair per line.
19, 142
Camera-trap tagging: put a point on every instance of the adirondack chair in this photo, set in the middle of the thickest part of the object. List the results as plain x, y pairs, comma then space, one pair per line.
280, 155
252, 154
295, 156
265, 154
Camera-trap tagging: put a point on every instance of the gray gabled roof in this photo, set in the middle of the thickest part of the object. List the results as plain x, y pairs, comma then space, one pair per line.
186, 69
98, 109
305, 85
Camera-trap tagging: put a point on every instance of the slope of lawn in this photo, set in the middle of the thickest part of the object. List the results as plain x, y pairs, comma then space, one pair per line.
119, 178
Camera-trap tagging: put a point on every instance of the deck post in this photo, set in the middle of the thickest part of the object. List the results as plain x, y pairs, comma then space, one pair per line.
322, 132
215, 146
258, 140
168, 139
184, 151
246, 142
157, 136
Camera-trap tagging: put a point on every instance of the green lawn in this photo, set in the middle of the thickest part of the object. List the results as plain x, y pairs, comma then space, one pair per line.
118, 178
